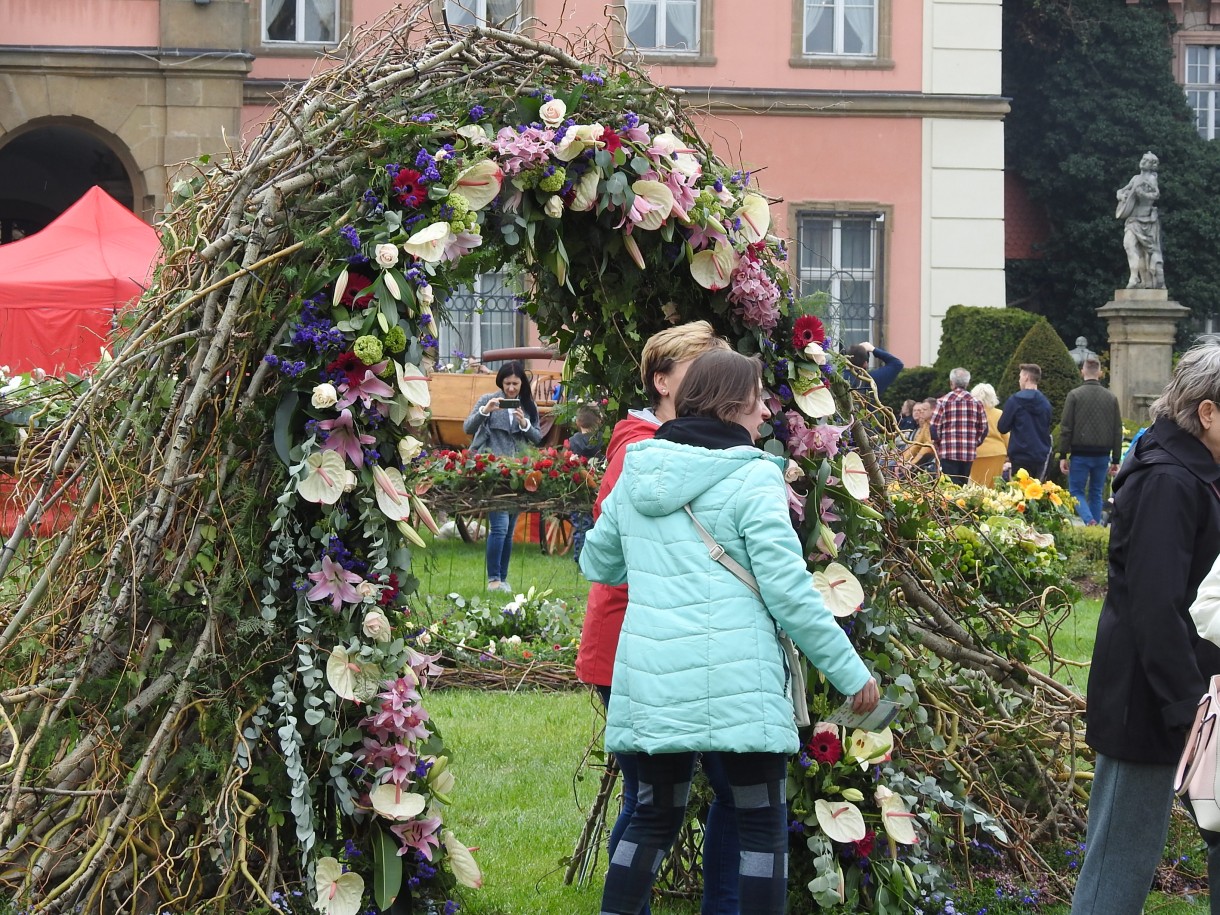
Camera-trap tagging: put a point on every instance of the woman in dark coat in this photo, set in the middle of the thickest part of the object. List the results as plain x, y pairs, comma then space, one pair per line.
1149, 664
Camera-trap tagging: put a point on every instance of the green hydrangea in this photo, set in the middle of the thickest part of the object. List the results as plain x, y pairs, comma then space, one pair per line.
368, 349
554, 181
460, 207
395, 339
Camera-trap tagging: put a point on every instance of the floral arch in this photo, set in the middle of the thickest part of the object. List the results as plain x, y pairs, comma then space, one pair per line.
214, 672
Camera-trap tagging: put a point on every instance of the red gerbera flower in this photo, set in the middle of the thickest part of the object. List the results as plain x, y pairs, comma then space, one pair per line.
808, 330
350, 365
408, 189
357, 294
825, 747
611, 140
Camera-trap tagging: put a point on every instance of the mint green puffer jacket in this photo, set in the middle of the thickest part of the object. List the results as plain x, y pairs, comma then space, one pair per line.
699, 665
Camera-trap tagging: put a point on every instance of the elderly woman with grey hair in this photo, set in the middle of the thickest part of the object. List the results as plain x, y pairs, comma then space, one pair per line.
992, 455
1150, 665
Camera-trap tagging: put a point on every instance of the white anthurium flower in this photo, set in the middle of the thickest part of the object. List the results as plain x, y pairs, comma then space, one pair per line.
713, 268
428, 244
842, 821
414, 384
584, 195
661, 203
392, 496
461, 861
840, 590
391, 802
474, 134
755, 216
340, 287
815, 353
479, 184
577, 139
386, 255
325, 478
855, 477
899, 822
553, 112
351, 679
338, 893
814, 400
869, 747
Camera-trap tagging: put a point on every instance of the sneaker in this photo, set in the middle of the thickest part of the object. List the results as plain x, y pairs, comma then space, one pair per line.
498, 586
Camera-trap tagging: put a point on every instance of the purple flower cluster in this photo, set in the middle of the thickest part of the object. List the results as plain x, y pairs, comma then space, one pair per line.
287, 367
315, 331
352, 236
477, 112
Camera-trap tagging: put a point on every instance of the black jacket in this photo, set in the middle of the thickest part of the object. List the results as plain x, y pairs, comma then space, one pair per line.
1149, 665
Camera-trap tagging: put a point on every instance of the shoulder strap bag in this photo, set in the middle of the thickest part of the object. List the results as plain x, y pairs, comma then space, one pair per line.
793, 662
1198, 776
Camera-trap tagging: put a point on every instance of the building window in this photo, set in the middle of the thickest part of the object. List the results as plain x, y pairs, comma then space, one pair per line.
505, 14
840, 28
1203, 87
481, 318
840, 255
663, 25
301, 21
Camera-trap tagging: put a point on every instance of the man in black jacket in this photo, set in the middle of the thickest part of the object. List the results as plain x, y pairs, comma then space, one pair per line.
1090, 440
1149, 664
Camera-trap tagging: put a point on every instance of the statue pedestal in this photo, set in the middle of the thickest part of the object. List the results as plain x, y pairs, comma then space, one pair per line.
1143, 327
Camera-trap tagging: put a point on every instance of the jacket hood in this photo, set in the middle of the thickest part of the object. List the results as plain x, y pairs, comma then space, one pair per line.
1166, 442
662, 476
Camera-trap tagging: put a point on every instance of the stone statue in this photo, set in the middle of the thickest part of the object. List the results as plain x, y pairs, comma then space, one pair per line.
1081, 352
1142, 226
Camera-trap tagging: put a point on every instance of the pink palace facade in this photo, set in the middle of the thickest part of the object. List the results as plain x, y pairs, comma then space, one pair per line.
878, 122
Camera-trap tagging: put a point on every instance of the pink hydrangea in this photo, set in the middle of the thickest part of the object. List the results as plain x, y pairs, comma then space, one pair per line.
755, 295
520, 151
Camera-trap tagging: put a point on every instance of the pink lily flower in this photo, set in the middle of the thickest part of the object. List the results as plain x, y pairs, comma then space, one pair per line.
796, 503
335, 582
704, 236
343, 437
365, 389
418, 834
459, 245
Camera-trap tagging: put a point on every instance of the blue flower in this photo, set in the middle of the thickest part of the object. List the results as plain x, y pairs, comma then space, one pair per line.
594, 79
352, 236
477, 112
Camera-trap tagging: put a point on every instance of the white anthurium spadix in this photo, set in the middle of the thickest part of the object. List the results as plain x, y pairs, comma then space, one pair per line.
461, 861
813, 398
351, 678
325, 478
392, 496
841, 591
479, 184
428, 243
841, 820
393, 803
712, 268
338, 893
414, 384
899, 822
855, 477
755, 216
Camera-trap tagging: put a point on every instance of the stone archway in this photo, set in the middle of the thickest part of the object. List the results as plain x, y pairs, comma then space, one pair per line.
48, 164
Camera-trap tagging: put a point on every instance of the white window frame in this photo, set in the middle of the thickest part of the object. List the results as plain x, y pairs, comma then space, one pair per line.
835, 276
478, 9
659, 38
839, 16
299, 38
463, 307
1204, 97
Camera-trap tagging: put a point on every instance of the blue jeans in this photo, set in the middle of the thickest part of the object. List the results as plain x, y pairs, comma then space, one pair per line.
1086, 482
500, 527
721, 851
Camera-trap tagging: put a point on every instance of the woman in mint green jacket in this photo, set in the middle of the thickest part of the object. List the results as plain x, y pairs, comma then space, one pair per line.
699, 666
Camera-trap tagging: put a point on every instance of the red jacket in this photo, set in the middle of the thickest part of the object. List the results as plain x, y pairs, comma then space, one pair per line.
607, 604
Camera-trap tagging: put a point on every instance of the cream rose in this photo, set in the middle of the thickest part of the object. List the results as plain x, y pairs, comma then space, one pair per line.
376, 626
367, 590
350, 481
552, 113
409, 448
553, 206
386, 255
425, 296
324, 395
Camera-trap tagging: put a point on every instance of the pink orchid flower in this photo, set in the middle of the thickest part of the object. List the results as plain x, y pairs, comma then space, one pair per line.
461, 244
335, 582
796, 503
343, 437
366, 388
826, 438
418, 834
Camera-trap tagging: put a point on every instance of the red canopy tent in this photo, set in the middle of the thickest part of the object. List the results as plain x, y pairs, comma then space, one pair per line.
60, 287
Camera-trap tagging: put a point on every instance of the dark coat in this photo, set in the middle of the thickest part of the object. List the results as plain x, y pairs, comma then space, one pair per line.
1026, 421
1149, 665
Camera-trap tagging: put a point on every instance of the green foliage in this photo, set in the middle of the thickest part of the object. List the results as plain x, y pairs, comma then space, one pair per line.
916, 383
1086, 550
1092, 88
981, 340
1042, 347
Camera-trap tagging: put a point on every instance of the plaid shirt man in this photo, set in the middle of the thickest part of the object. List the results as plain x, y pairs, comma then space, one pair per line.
959, 426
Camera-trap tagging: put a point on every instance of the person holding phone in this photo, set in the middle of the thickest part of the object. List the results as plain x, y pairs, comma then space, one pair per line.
504, 422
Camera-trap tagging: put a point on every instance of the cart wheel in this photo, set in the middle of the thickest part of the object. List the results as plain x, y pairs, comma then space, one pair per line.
557, 535
467, 528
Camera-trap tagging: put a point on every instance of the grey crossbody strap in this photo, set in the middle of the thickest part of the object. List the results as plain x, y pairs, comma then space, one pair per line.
792, 658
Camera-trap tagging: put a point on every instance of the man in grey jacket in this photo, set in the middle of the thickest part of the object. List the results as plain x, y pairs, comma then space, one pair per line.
1090, 440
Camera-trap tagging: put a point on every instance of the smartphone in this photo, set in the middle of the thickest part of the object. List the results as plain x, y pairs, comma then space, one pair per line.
509, 403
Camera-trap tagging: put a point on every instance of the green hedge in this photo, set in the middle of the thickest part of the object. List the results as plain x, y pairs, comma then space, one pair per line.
981, 340
914, 382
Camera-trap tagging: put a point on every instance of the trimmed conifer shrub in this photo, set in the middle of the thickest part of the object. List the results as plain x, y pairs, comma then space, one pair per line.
980, 340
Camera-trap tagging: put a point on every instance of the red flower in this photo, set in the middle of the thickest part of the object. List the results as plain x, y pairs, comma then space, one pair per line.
612, 140
808, 330
350, 365
864, 847
355, 295
825, 747
407, 188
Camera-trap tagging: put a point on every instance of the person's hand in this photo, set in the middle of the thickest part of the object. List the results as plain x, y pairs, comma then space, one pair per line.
866, 700
493, 405
867, 347
520, 416
1113, 469
1063, 465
